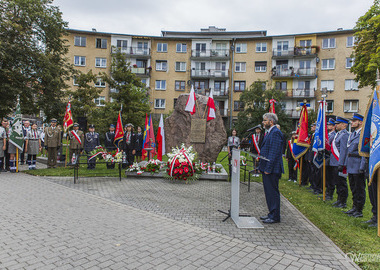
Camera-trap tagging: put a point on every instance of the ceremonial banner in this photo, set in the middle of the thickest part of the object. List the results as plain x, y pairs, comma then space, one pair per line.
161, 139
119, 132
17, 137
302, 141
144, 153
374, 154
68, 119
320, 138
271, 105
365, 134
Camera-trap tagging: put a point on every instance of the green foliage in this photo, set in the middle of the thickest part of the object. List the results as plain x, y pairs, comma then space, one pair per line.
32, 57
367, 48
256, 103
83, 97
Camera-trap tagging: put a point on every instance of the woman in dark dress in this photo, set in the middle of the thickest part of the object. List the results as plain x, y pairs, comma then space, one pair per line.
129, 141
139, 144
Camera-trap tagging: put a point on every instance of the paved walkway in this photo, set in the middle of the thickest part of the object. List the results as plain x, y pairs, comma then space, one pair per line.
100, 223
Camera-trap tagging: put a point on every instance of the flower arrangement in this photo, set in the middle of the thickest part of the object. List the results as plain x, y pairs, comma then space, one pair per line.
153, 166
181, 166
134, 65
113, 157
135, 167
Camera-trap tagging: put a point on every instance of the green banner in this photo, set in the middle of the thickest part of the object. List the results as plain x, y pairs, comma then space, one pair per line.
17, 137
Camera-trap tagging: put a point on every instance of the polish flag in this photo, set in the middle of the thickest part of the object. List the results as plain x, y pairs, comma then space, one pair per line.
190, 105
161, 139
211, 107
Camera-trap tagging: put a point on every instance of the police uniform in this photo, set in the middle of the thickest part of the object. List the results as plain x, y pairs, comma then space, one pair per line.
292, 167
91, 141
372, 192
139, 144
53, 143
129, 144
355, 169
339, 150
75, 145
33, 147
330, 187
109, 140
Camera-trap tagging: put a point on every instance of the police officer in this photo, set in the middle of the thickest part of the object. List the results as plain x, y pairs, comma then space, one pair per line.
313, 172
129, 141
355, 168
91, 141
330, 187
76, 138
292, 167
52, 142
337, 161
372, 192
110, 137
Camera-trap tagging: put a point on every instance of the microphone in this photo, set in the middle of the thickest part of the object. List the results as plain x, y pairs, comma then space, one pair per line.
253, 128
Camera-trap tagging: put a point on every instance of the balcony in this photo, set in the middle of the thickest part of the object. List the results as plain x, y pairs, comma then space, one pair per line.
209, 73
304, 73
293, 113
217, 94
213, 54
311, 52
133, 51
141, 72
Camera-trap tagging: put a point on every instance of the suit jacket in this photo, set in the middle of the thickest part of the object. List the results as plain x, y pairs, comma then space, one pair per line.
139, 142
341, 143
91, 141
131, 145
108, 141
52, 137
261, 138
74, 144
272, 149
353, 161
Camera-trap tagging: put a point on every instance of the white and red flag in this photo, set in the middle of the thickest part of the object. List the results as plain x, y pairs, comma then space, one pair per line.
68, 119
161, 139
211, 107
190, 105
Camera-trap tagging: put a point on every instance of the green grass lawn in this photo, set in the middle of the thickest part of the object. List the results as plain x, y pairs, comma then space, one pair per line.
350, 234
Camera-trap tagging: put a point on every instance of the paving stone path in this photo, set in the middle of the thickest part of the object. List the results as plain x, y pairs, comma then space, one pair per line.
102, 223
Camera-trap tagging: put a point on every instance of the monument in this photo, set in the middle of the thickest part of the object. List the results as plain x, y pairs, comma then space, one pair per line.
207, 137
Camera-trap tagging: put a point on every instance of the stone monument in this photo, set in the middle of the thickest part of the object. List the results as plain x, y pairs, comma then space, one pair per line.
207, 138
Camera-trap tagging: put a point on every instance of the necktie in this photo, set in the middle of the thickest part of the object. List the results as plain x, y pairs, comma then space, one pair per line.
233, 140
35, 135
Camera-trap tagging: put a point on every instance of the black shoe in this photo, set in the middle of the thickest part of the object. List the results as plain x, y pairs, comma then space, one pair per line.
334, 204
342, 205
370, 221
351, 211
264, 217
270, 221
356, 214
372, 225
328, 198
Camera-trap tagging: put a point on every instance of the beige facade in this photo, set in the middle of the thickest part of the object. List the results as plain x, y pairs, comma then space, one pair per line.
229, 62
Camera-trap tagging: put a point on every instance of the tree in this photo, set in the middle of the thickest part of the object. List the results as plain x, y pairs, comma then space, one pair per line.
83, 104
128, 91
367, 48
256, 103
32, 57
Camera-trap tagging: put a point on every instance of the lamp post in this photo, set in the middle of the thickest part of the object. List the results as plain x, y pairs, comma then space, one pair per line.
232, 82
324, 95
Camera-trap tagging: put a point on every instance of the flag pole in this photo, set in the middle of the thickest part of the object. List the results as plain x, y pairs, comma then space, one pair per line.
16, 159
300, 178
324, 148
67, 147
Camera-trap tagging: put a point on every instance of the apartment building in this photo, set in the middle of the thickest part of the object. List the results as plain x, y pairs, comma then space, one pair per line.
227, 63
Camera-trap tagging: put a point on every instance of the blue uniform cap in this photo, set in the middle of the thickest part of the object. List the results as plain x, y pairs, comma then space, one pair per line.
341, 120
331, 121
91, 126
357, 116
112, 126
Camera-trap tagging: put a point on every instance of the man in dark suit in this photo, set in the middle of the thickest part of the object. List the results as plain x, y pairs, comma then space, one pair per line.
272, 168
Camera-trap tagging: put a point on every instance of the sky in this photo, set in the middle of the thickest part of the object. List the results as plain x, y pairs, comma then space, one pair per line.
147, 17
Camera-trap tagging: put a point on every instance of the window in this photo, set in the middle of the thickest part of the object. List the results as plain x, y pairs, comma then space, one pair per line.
329, 84
162, 47
201, 84
351, 106
123, 44
75, 80
350, 41
241, 47
101, 43
238, 106
329, 106
80, 41
351, 85
160, 84
181, 47
260, 66
79, 61
161, 65
100, 83
144, 81
328, 64
261, 47
282, 45
328, 43
349, 62
100, 62
240, 67
304, 85
281, 85
305, 43
180, 66
219, 86
159, 103
239, 85
180, 85
142, 48
100, 101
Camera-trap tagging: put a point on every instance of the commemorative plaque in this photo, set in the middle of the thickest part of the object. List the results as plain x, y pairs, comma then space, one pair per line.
198, 131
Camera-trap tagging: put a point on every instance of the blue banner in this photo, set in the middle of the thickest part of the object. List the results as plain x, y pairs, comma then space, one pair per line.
319, 137
365, 135
374, 154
